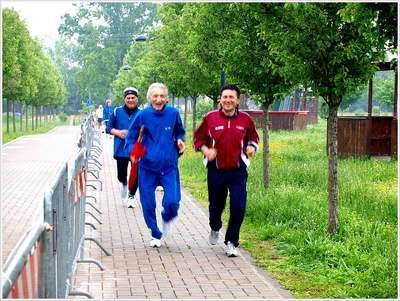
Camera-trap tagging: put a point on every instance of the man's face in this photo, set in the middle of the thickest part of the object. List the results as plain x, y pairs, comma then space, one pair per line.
158, 98
229, 101
131, 101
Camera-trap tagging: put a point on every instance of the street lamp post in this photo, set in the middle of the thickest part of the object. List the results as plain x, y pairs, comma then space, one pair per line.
222, 78
143, 38
140, 38
223, 58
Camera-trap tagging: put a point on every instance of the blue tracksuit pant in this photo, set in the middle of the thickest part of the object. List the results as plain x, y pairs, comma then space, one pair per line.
148, 182
220, 181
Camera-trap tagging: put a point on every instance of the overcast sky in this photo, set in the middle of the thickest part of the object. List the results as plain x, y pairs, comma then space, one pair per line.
42, 18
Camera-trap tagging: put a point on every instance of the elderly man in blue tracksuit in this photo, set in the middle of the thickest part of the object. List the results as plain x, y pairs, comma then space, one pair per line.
164, 141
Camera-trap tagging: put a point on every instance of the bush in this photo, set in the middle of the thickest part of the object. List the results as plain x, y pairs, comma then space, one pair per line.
63, 117
376, 110
359, 112
323, 110
202, 107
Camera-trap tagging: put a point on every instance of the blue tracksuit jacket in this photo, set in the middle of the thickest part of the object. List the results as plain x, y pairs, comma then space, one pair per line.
120, 120
161, 131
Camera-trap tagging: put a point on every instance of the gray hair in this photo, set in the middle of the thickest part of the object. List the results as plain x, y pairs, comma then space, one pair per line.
158, 85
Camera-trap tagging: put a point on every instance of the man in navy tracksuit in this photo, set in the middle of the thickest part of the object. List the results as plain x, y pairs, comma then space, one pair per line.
118, 125
164, 141
227, 138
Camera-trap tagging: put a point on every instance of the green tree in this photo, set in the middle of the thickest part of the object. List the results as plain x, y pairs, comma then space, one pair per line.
179, 67
253, 66
353, 97
222, 43
20, 66
377, 22
383, 88
63, 55
334, 57
131, 77
104, 32
13, 31
204, 47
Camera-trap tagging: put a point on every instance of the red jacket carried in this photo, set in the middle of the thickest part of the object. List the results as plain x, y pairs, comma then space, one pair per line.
230, 136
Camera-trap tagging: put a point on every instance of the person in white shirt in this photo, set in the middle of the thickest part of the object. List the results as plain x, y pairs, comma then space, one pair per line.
99, 116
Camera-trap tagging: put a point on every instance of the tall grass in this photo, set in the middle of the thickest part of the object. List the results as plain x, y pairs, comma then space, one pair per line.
285, 227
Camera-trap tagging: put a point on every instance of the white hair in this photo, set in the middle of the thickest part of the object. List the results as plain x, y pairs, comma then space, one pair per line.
154, 85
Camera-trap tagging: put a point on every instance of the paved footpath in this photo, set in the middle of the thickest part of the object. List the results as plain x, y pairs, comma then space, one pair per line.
186, 266
28, 166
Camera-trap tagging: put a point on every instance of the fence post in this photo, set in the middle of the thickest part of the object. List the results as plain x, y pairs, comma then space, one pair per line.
20, 271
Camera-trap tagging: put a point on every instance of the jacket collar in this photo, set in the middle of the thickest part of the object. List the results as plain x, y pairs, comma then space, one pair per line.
234, 115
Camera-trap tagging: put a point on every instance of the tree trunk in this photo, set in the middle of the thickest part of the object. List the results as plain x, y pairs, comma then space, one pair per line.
333, 215
21, 114
185, 114
8, 116
265, 122
36, 117
194, 113
41, 114
215, 103
173, 100
13, 116
33, 118
26, 116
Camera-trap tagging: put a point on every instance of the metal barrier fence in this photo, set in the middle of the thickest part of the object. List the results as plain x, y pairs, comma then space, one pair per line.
43, 262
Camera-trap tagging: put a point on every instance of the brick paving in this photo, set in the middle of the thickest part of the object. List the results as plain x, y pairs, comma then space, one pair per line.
186, 266
28, 165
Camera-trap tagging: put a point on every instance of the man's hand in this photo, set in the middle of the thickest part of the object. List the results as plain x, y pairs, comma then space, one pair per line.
120, 133
181, 146
209, 153
250, 151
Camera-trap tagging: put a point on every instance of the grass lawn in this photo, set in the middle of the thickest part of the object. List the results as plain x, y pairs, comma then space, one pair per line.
285, 227
42, 127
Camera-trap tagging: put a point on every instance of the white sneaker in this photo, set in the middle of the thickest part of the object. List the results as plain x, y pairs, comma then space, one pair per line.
160, 188
155, 243
231, 250
130, 202
167, 228
124, 190
214, 235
